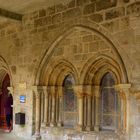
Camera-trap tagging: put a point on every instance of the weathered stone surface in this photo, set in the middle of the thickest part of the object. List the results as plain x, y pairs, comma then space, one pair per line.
70, 13
96, 17
72, 4
93, 47
126, 1
50, 10
13, 69
133, 8
82, 2
104, 4
124, 23
42, 13
118, 12
88, 9
43, 21
87, 38
60, 7
57, 18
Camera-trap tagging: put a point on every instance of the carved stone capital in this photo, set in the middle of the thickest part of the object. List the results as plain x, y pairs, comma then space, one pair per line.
124, 87
96, 91
87, 90
37, 90
78, 89
11, 90
60, 90
52, 90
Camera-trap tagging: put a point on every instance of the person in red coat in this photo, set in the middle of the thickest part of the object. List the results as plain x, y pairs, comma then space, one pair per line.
8, 111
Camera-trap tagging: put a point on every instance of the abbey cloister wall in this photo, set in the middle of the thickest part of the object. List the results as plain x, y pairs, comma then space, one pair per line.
76, 32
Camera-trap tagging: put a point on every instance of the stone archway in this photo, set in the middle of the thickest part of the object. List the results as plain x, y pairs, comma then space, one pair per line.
5, 84
68, 54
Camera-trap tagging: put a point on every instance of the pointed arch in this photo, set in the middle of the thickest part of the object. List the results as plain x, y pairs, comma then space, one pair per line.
85, 25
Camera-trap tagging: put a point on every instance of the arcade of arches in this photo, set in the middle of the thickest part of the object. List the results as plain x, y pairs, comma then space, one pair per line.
73, 69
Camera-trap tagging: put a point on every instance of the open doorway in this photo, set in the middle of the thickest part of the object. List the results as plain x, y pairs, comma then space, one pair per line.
6, 110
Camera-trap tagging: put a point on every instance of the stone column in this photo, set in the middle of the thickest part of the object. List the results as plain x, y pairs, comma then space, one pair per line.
60, 104
89, 111
93, 112
97, 105
37, 90
53, 106
78, 90
42, 108
46, 107
124, 89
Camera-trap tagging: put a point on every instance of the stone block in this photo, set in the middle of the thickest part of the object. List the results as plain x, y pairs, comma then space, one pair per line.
133, 8
96, 17
124, 23
13, 69
87, 38
104, 4
71, 13
42, 13
93, 47
126, 1
88, 9
118, 12
56, 18
112, 26
43, 21
59, 51
60, 8
82, 2
50, 10
72, 4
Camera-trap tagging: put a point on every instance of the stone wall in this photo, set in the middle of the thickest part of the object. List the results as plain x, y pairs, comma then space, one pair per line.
25, 44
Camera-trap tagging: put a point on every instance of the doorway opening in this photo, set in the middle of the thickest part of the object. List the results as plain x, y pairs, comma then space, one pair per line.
6, 101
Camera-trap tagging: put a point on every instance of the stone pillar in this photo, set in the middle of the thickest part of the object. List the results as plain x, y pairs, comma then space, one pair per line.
44, 101
124, 89
60, 104
42, 108
84, 110
53, 105
97, 105
11, 90
93, 112
89, 110
37, 90
79, 92
46, 107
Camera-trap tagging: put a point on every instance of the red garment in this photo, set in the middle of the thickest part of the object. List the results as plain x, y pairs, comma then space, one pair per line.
7, 105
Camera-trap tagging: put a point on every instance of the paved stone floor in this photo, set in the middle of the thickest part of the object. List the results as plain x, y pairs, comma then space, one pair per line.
9, 136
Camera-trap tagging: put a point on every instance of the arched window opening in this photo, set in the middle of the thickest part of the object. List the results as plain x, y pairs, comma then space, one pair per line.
69, 102
110, 104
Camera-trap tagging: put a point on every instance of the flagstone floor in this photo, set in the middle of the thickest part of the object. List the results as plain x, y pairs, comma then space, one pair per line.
9, 136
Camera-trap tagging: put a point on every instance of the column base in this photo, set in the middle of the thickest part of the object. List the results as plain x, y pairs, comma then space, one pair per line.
43, 128
36, 136
79, 127
59, 124
96, 128
53, 124
89, 128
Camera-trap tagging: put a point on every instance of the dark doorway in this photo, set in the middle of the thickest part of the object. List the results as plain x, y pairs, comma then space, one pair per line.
4, 100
